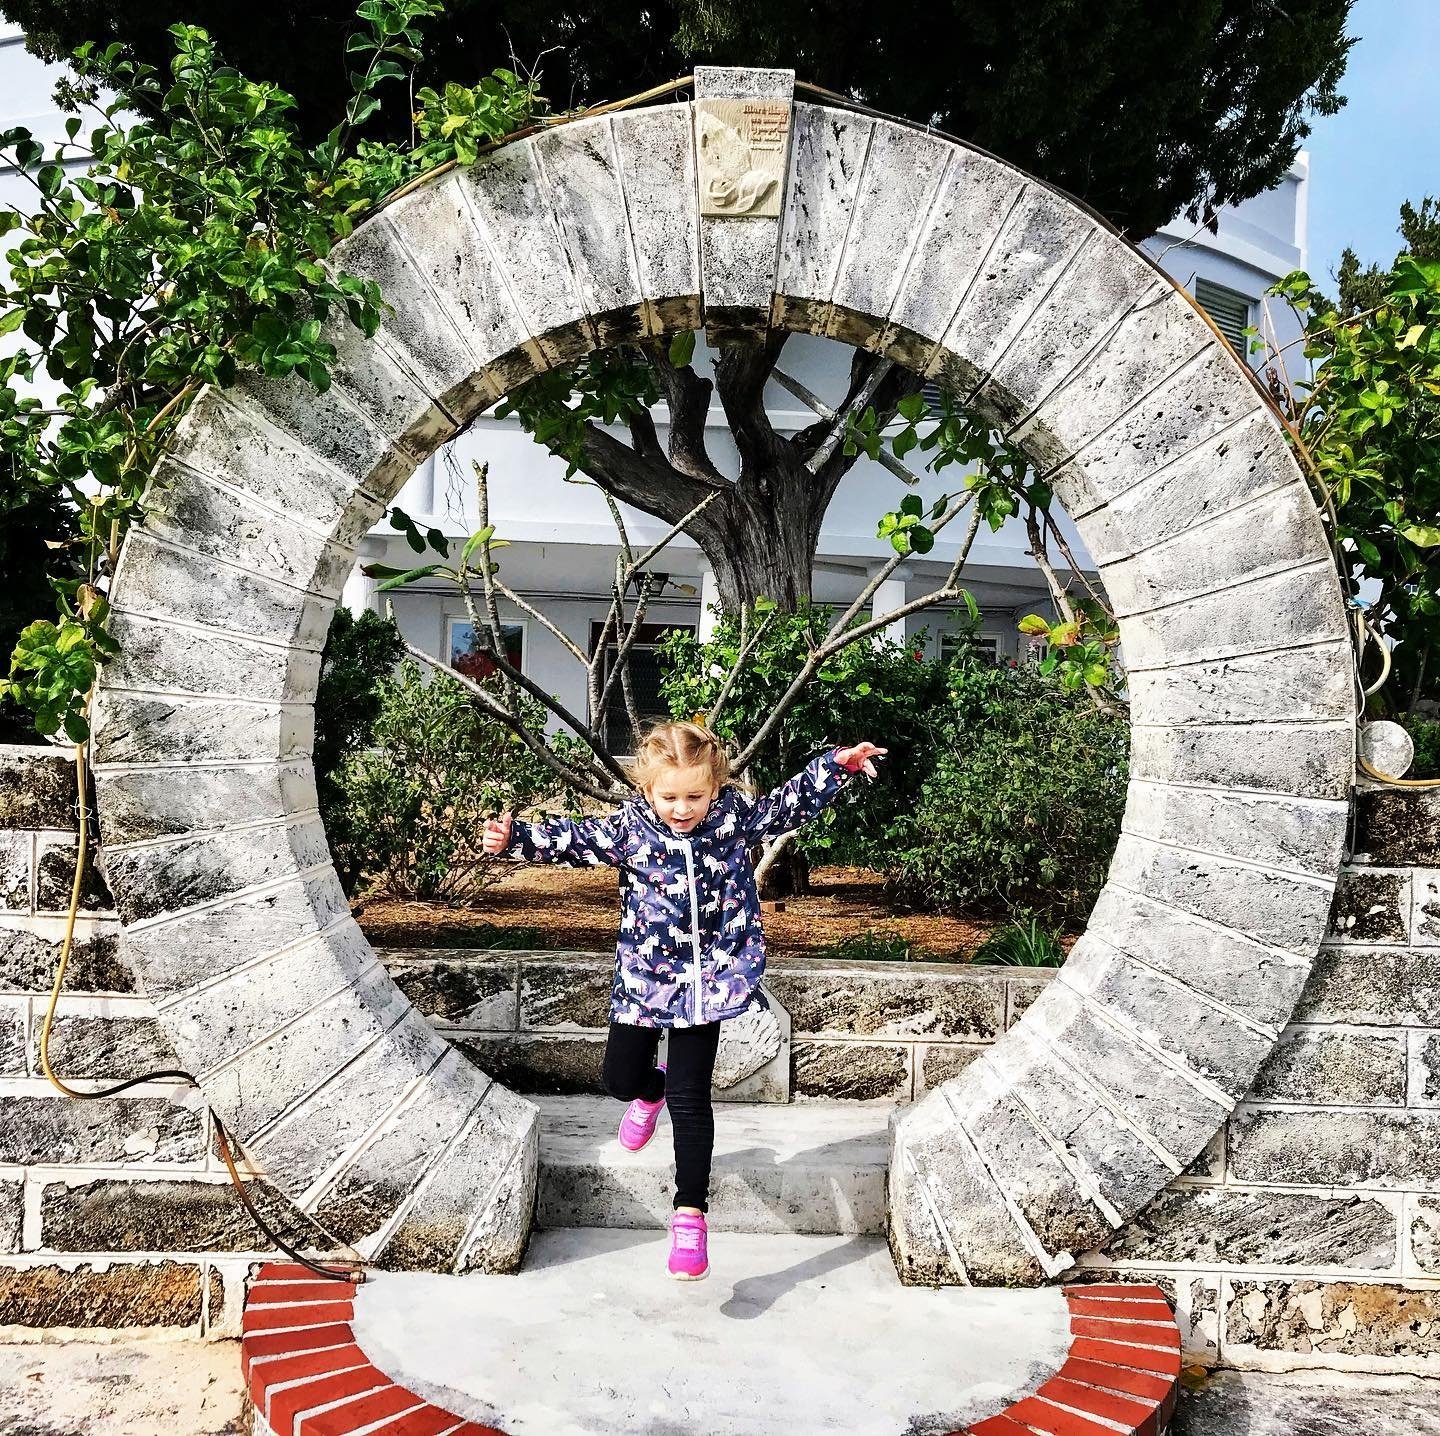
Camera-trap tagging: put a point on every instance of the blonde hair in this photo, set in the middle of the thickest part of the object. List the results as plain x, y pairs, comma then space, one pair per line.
679, 745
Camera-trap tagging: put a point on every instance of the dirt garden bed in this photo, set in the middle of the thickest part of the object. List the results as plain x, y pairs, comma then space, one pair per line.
578, 909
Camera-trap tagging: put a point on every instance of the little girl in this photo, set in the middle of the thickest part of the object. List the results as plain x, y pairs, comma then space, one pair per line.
691, 951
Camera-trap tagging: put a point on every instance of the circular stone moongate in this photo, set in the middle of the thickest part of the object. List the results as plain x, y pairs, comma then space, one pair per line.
910, 245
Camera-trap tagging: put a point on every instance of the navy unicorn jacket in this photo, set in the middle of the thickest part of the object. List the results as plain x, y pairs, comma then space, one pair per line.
691, 949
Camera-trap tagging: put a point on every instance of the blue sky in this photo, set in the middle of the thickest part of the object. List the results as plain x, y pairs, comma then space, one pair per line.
1384, 146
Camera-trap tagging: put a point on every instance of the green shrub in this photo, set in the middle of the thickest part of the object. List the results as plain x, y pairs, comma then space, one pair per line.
1426, 733
873, 946
417, 800
1022, 808
1026, 943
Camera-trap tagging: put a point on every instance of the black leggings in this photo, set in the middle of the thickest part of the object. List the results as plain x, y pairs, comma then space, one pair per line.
630, 1072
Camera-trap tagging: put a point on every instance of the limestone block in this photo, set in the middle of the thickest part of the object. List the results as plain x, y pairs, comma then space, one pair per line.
1425, 916
827, 160
1329, 1319
471, 990
561, 994
358, 1201
850, 1071
1021, 992
902, 175
174, 874
255, 1088
1205, 397
437, 228
1213, 1044
225, 441
507, 197
1258, 982
176, 729
1393, 826
1042, 237
1174, 1115
1301, 683
12, 1038
417, 322
545, 1064
1274, 908
975, 198
937, 1062
203, 516
1335, 1067
1306, 760
1424, 1235
753, 1060
949, 1223
1236, 467
1276, 531
471, 1209
52, 1130
339, 428
114, 1044
738, 256
37, 787
163, 583
1078, 314
104, 1295
30, 948
656, 150
314, 1135
12, 1193
1298, 835
1300, 606
176, 953
1148, 346
156, 656
55, 855
1218, 1227
1027, 1168
144, 803
17, 872
222, 1019
1376, 986
1317, 1147
856, 1002
1372, 905
1424, 1062
582, 182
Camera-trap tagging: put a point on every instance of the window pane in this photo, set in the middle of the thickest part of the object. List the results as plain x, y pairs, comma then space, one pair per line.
467, 657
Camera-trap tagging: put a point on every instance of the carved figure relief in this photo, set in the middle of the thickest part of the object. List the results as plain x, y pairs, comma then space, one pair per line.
741, 148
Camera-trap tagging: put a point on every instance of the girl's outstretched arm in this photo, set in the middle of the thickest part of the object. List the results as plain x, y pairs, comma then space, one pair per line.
576, 843
809, 792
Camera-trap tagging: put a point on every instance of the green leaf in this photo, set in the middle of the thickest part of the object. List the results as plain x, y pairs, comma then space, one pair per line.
912, 504
409, 575
682, 348
1034, 625
1421, 535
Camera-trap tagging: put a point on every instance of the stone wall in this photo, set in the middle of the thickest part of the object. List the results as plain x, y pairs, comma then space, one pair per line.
1309, 1232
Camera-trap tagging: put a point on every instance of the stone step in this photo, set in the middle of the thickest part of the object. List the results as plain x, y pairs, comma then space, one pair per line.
798, 1168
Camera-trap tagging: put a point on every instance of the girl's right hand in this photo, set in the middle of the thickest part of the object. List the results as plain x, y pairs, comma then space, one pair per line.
497, 835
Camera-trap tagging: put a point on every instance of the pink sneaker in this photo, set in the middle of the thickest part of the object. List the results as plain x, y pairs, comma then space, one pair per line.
637, 1126
689, 1259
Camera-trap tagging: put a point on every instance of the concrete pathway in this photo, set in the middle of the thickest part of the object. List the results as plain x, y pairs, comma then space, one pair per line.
799, 1168
1318, 1403
158, 1388
787, 1335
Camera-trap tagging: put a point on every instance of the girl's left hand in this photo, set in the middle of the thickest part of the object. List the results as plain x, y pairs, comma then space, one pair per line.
859, 758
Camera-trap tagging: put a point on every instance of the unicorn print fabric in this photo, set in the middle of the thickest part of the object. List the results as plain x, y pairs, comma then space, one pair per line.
690, 949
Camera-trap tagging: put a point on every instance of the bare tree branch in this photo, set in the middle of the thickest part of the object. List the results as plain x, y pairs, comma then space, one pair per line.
747, 646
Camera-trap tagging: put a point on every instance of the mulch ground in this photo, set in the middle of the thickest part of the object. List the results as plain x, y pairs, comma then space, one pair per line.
578, 909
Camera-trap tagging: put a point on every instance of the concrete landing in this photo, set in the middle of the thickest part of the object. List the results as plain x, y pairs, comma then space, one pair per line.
788, 1334
796, 1168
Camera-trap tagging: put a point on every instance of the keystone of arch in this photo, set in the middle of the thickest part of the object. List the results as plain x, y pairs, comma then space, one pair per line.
908, 244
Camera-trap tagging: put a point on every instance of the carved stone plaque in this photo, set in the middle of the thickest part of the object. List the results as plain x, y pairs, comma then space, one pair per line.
741, 145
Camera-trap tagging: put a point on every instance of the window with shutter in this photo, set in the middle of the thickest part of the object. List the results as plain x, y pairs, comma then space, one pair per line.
1229, 309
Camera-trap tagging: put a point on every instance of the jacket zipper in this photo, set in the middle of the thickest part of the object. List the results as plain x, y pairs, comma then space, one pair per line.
694, 923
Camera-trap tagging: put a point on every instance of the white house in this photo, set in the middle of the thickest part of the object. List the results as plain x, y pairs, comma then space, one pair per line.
561, 536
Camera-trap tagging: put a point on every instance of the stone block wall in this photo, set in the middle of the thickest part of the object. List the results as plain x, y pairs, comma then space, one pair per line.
860, 1031
1308, 1234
